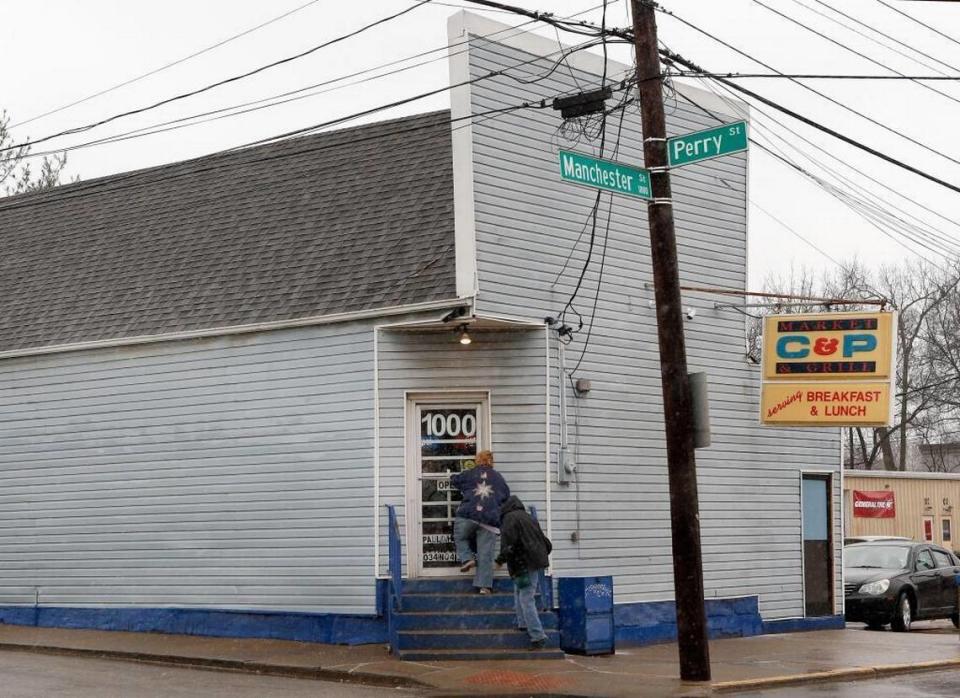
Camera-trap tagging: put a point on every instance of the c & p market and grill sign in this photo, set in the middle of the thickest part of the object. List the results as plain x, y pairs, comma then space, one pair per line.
828, 369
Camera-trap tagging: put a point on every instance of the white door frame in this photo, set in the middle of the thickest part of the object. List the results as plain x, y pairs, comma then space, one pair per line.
412, 520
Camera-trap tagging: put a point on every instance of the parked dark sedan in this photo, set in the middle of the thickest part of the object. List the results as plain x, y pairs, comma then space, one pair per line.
898, 582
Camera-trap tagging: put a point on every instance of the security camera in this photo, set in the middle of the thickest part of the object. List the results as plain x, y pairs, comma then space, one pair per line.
691, 313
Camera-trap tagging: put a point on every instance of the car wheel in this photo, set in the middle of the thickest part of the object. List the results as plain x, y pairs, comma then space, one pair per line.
956, 620
903, 615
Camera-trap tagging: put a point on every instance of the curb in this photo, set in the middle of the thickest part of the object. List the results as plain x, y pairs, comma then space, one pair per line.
852, 674
238, 666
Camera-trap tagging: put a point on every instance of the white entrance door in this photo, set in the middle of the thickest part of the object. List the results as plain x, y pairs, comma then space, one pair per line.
445, 432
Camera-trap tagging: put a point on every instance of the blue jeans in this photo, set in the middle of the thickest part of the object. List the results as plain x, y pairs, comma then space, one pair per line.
524, 600
465, 530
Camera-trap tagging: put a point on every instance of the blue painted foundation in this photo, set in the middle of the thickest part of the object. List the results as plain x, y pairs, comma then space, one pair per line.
640, 623
795, 625
326, 628
646, 623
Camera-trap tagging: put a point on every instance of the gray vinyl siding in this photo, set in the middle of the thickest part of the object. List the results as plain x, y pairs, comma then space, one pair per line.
527, 222
510, 364
221, 473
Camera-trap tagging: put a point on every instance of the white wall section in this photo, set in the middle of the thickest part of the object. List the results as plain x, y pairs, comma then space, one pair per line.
233, 472
527, 222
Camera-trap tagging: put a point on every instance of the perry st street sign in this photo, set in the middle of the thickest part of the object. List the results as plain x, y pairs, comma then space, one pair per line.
704, 145
605, 174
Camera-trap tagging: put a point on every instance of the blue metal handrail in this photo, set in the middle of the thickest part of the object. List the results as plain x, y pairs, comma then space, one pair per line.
395, 557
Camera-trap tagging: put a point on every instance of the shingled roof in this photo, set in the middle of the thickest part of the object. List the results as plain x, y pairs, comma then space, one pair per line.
351, 220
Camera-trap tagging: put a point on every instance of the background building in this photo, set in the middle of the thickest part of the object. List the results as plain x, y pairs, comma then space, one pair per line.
916, 505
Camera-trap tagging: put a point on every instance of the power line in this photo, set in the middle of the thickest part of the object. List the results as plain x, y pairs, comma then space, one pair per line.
792, 231
917, 21
673, 57
279, 98
85, 188
853, 203
876, 31
69, 192
220, 83
816, 146
857, 205
812, 90
819, 76
851, 50
167, 66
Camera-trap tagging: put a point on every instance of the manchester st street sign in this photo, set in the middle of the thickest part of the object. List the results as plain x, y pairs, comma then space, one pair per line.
605, 174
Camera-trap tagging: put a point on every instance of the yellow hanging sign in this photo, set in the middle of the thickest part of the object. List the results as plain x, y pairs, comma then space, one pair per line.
828, 369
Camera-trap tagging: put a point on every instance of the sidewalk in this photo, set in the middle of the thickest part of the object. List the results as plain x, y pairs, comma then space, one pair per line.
739, 664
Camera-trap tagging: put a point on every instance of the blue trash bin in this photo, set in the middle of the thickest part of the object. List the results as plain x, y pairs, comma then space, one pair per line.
586, 615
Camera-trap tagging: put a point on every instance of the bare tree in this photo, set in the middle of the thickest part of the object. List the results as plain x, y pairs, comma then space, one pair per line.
17, 175
928, 347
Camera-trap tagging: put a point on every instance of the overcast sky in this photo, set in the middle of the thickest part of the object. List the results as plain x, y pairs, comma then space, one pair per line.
59, 51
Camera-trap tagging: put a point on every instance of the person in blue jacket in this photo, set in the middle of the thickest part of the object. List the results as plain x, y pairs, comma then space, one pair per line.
477, 522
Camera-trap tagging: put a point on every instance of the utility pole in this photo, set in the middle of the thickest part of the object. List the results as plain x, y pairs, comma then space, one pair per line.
677, 399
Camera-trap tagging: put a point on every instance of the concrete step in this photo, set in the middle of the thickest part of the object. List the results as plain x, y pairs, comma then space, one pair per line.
463, 602
478, 655
459, 620
451, 585
469, 639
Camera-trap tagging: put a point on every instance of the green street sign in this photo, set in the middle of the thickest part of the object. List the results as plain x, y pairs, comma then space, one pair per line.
703, 145
605, 174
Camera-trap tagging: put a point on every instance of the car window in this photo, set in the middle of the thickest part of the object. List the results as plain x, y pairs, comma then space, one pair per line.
925, 561
942, 559
891, 557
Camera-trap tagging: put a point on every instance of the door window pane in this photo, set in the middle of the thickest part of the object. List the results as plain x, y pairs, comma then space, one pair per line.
815, 504
447, 443
925, 561
947, 530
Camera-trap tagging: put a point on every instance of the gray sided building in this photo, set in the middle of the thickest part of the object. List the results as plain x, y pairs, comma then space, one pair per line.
217, 376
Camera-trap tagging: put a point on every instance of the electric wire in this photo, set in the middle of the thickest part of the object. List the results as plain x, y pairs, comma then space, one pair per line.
877, 31
785, 159
820, 127
177, 62
917, 21
793, 231
857, 205
593, 226
266, 103
82, 188
220, 83
810, 89
815, 76
851, 50
259, 104
91, 188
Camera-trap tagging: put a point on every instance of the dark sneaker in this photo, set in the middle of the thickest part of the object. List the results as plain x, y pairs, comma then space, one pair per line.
523, 630
537, 645
468, 565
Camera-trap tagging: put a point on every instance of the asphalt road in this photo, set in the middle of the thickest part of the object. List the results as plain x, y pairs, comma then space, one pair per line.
26, 675
941, 683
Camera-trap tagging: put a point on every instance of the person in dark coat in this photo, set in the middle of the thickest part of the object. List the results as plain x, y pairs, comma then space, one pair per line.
526, 550
478, 518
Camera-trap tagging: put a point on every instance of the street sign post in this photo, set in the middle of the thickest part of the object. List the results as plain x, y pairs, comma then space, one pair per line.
704, 145
605, 174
